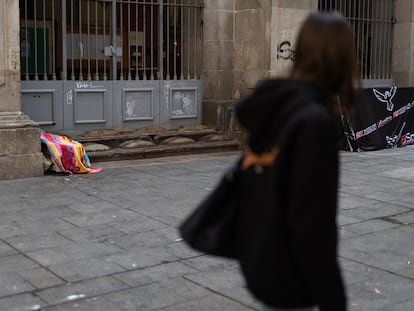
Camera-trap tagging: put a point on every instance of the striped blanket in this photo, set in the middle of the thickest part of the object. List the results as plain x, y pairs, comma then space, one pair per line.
67, 155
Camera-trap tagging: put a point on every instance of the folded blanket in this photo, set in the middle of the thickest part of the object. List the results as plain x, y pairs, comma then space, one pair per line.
66, 154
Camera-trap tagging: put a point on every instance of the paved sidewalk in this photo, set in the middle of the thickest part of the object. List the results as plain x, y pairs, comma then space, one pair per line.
108, 241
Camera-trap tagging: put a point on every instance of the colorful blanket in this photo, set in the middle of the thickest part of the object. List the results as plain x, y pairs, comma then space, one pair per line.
66, 154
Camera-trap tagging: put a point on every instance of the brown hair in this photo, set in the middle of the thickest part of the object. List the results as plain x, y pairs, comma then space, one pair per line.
325, 55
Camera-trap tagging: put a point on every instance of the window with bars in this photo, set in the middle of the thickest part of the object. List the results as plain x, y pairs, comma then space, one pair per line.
372, 22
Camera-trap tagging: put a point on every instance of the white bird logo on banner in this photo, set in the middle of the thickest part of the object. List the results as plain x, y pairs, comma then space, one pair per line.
386, 97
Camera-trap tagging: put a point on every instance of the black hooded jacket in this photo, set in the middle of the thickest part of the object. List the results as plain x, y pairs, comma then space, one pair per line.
287, 233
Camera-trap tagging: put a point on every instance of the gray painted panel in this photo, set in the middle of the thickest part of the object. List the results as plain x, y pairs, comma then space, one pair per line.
89, 106
183, 103
39, 105
138, 104
42, 102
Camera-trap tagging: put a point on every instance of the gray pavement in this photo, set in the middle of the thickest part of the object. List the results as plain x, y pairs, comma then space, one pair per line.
108, 241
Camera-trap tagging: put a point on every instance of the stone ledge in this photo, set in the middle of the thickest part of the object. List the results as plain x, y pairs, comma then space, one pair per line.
162, 151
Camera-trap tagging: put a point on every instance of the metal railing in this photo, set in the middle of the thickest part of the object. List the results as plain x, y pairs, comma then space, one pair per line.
110, 39
372, 22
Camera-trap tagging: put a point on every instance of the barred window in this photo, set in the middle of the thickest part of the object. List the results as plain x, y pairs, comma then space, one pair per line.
372, 22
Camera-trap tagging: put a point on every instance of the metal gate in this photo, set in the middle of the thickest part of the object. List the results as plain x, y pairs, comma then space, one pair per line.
95, 64
372, 22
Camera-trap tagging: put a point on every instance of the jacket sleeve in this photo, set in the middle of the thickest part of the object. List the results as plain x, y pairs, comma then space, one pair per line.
312, 206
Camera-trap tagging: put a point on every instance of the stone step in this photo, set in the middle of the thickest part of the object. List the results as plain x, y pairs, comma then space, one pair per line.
125, 144
161, 151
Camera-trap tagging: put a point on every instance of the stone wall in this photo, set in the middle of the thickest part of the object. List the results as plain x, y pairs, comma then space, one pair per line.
403, 44
20, 154
245, 41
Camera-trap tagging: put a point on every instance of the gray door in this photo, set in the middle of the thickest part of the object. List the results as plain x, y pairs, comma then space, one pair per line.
94, 64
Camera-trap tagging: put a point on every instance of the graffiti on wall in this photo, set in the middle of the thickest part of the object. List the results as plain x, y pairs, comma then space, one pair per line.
285, 51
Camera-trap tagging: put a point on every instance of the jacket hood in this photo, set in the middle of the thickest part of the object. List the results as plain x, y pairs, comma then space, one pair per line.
265, 112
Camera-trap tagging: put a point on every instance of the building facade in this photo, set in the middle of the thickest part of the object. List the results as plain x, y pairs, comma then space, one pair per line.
92, 64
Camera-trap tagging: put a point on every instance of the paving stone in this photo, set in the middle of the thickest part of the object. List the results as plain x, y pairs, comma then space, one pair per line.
83, 269
22, 302
91, 304
65, 253
370, 226
11, 284
38, 241
6, 250
208, 263
103, 217
404, 218
79, 290
40, 278
375, 210
9, 231
16, 263
92, 233
141, 257
208, 303
148, 297
391, 250
228, 282
138, 225
182, 250
154, 274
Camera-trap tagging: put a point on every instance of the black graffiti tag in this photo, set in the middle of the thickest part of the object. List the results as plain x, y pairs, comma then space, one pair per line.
285, 51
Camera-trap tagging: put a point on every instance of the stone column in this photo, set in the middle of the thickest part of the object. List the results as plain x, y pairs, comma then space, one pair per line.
403, 44
20, 149
218, 61
287, 16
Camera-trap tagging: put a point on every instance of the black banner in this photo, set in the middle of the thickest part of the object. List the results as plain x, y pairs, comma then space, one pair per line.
383, 119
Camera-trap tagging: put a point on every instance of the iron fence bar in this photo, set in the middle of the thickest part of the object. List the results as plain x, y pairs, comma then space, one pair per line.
72, 41
128, 52
145, 44
195, 42
167, 52
26, 42
181, 43
45, 60
89, 77
380, 38
357, 35
36, 77
188, 41
389, 39
96, 43
104, 40
113, 40
121, 23
53, 42
64, 42
160, 40
365, 30
80, 42
152, 42
175, 40
136, 43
